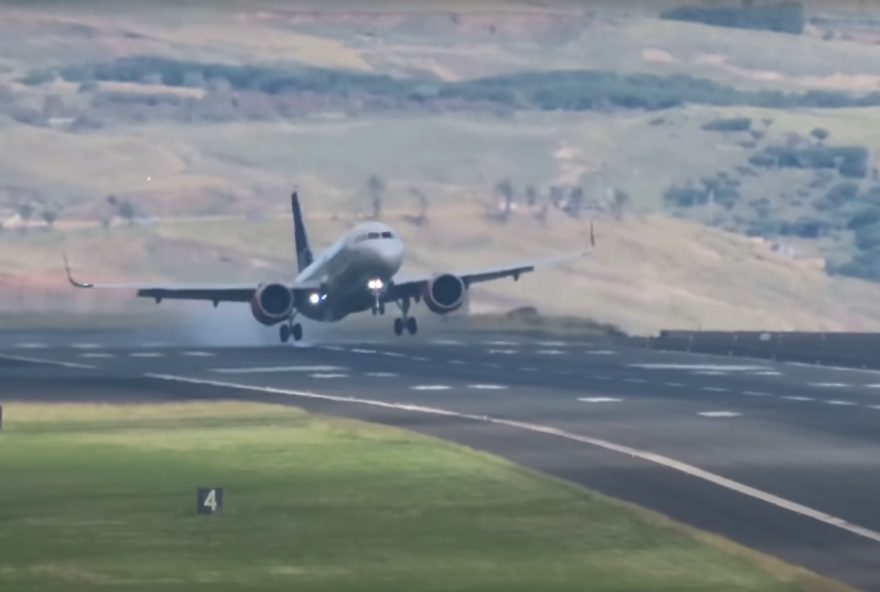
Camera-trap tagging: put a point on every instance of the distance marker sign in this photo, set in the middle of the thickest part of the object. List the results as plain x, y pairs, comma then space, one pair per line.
209, 500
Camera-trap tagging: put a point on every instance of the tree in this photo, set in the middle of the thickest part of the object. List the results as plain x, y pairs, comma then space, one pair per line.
820, 134
531, 195
25, 212
126, 210
575, 202
376, 188
422, 217
504, 189
50, 215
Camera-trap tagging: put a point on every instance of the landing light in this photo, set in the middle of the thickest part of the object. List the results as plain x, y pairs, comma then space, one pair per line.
375, 284
314, 298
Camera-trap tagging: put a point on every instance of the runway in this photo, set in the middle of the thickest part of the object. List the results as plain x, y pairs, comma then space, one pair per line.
781, 457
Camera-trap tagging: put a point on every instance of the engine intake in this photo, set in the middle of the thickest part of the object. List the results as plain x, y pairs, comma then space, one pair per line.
272, 303
445, 293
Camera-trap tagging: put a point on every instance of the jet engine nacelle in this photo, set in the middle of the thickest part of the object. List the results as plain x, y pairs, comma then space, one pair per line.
445, 293
272, 303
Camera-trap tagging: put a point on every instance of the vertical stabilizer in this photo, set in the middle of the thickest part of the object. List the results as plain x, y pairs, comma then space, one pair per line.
300, 240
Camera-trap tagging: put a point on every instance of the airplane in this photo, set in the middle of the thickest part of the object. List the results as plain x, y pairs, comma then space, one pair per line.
357, 273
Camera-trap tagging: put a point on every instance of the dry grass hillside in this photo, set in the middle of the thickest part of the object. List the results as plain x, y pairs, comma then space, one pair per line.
209, 195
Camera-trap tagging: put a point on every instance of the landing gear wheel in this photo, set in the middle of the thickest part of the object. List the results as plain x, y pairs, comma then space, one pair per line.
284, 333
297, 331
398, 327
412, 327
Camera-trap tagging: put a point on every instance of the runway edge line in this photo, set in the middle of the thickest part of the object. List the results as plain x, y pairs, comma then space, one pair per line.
644, 455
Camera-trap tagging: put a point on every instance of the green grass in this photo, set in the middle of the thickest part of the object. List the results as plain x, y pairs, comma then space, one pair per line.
98, 497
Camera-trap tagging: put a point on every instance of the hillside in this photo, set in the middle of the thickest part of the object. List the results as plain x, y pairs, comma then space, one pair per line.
679, 139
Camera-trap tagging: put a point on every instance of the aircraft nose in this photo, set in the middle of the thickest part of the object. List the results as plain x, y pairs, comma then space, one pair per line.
389, 253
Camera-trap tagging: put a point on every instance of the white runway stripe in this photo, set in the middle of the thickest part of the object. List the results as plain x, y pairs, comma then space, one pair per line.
719, 414
488, 387
198, 354
599, 400
382, 374
829, 384
840, 403
96, 355
628, 451
715, 389
328, 375
508, 352
550, 352
446, 342
360, 350
430, 387
502, 343
273, 369
86, 345
47, 362
796, 398
600, 352
756, 394
635, 380
551, 343
146, 355
31, 345
702, 367
674, 384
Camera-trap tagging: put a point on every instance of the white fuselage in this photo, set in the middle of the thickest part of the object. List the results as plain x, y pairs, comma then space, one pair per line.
371, 251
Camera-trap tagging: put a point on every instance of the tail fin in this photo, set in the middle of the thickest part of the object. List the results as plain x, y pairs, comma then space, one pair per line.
300, 241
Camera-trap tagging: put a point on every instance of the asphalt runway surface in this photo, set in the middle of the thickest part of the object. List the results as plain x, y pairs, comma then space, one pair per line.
783, 458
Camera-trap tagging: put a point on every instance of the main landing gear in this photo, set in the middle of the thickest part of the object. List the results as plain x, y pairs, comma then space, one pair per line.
405, 322
290, 329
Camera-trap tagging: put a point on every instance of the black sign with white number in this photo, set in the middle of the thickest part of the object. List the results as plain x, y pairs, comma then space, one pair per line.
209, 500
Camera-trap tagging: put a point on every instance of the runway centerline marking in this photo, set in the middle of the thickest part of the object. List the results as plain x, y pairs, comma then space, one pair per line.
709, 373
719, 414
86, 345
278, 369
600, 352
198, 354
840, 403
382, 374
146, 355
756, 394
507, 352
360, 350
328, 375
796, 398
47, 362
599, 400
715, 389
829, 384
550, 352
487, 387
31, 345
431, 387
96, 355
645, 455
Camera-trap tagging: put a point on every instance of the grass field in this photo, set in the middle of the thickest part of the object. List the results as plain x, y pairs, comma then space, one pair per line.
99, 497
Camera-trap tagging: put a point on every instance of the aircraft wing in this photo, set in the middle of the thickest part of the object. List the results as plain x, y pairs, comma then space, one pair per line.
215, 293
412, 287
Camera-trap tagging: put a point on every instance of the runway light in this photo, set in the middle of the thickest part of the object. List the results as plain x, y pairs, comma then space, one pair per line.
314, 298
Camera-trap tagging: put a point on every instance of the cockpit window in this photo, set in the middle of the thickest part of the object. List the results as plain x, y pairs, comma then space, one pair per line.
387, 234
372, 235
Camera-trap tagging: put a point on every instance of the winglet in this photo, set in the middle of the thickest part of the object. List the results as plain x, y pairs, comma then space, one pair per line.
70, 279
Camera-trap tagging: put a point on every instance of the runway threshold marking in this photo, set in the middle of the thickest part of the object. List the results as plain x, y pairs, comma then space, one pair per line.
47, 362
651, 457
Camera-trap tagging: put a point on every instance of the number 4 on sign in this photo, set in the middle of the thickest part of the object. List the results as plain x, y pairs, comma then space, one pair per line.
211, 500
